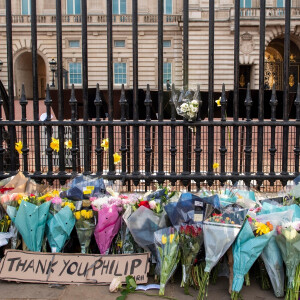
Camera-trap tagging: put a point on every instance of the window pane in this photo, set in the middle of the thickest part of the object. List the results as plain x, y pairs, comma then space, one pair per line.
116, 7
167, 72
77, 7
122, 6
75, 73
167, 44
168, 7
25, 7
248, 3
69, 7
280, 3
120, 43
74, 44
120, 73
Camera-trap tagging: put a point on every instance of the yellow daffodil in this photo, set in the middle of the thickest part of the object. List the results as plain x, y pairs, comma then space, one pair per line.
215, 166
105, 144
70, 204
117, 158
54, 145
218, 102
171, 238
83, 213
91, 214
55, 193
164, 239
19, 147
77, 215
19, 201
68, 144
261, 228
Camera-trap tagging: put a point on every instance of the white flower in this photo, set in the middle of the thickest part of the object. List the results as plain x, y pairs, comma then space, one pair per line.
115, 284
195, 103
194, 109
184, 107
152, 204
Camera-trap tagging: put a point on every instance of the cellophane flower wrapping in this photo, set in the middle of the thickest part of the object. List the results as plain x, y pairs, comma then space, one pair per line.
268, 208
85, 228
289, 243
143, 223
84, 187
187, 104
246, 249
30, 220
190, 242
59, 226
182, 212
271, 254
167, 245
109, 224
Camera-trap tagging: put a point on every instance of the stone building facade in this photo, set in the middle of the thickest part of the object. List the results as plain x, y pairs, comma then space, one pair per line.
147, 38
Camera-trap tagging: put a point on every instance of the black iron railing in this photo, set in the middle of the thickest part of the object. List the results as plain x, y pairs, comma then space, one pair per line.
257, 151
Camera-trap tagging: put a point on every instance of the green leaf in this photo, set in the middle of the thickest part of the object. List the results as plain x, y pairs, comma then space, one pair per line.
132, 283
125, 292
122, 297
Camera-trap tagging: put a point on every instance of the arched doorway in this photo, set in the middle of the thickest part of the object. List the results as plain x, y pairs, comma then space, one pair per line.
274, 55
23, 74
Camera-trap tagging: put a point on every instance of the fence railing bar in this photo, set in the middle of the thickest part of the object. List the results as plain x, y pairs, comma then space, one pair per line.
85, 94
36, 129
173, 148
2, 150
260, 129
185, 49
160, 86
49, 151
223, 148
110, 86
74, 150
148, 149
9, 44
60, 96
286, 65
236, 85
210, 149
198, 148
123, 149
99, 149
248, 148
297, 141
136, 143
272, 150
25, 150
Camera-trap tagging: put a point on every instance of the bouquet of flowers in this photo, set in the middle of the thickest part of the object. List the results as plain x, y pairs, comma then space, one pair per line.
30, 219
249, 244
219, 231
166, 242
190, 241
85, 225
5, 231
288, 241
187, 105
60, 224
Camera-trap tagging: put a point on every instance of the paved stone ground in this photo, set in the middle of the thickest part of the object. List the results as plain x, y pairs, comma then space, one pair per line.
10, 291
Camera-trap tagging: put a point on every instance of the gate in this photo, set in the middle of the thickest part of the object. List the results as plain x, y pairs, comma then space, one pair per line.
257, 151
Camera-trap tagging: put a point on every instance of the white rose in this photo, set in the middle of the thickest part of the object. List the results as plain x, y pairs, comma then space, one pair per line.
115, 284
152, 204
194, 109
184, 107
195, 103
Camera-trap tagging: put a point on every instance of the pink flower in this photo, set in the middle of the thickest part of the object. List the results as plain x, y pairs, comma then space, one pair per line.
152, 204
56, 200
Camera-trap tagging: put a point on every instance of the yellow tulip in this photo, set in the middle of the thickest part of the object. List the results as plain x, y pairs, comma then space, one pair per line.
171, 238
83, 213
218, 102
164, 239
91, 214
68, 144
77, 215
19, 147
54, 145
105, 144
117, 158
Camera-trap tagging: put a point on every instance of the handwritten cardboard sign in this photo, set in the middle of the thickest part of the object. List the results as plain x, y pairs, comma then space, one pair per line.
63, 268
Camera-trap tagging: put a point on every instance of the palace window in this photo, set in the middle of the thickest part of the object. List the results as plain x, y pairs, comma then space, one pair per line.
167, 43
168, 7
280, 3
119, 7
246, 3
119, 43
74, 44
75, 73
26, 7
120, 73
73, 7
167, 73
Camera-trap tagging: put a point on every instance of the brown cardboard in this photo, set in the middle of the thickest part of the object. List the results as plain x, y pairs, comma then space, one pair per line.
18, 183
65, 268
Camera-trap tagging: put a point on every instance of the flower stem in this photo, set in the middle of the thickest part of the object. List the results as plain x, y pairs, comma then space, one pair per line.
247, 279
203, 284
